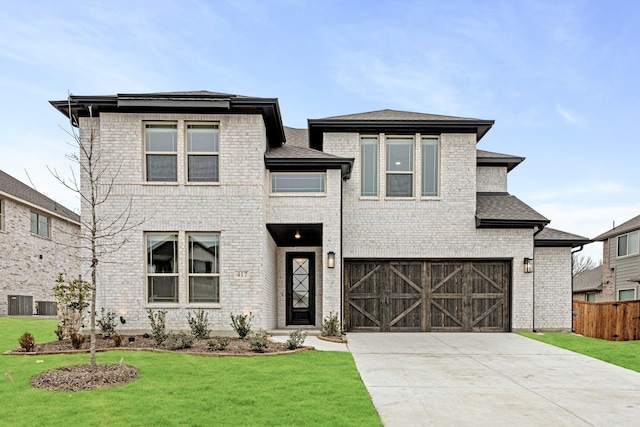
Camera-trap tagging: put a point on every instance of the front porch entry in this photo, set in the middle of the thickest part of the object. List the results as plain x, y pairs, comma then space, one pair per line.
300, 301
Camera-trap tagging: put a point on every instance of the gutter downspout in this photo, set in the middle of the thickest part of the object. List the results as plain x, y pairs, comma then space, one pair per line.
533, 290
341, 258
573, 313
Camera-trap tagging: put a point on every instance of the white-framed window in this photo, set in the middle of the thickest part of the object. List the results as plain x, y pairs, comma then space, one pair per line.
626, 294
204, 267
1, 214
161, 152
40, 225
430, 148
628, 244
297, 182
399, 170
590, 297
203, 152
369, 166
162, 267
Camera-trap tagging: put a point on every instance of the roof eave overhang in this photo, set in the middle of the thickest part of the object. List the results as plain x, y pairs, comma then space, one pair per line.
562, 243
297, 165
510, 162
509, 223
318, 126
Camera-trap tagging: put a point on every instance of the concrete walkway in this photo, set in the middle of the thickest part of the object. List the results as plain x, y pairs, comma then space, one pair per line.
458, 379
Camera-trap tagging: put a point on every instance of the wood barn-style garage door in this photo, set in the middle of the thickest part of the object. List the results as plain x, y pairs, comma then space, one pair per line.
427, 295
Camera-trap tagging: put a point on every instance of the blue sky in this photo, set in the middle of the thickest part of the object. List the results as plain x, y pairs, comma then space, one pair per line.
558, 77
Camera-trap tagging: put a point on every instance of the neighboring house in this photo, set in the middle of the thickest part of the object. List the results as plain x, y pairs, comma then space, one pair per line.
621, 261
588, 285
392, 220
38, 240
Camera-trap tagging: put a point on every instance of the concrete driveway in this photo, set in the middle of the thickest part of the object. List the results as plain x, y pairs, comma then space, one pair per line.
460, 379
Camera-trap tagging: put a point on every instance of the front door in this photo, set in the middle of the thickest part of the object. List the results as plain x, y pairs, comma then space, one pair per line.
300, 288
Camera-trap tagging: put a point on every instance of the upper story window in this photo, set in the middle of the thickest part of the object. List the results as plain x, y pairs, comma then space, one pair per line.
40, 225
430, 166
628, 244
626, 294
204, 267
1, 214
399, 166
162, 267
369, 166
161, 152
287, 182
202, 153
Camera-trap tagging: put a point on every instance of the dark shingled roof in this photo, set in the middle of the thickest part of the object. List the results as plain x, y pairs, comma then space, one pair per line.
552, 237
23, 192
588, 280
396, 115
488, 158
298, 137
296, 159
500, 210
296, 152
631, 225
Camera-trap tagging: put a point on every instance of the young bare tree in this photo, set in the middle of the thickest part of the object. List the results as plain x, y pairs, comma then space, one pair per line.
100, 234
583, 263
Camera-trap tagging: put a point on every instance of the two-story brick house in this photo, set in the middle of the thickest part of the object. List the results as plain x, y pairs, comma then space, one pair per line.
393, 220
38, 240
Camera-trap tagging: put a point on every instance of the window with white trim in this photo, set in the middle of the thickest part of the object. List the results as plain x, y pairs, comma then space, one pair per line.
399, 171
40, 225
626, 294
628, 244
369, 166
204, 267
430, 166
202, 152
162, 267
1, 214
161, 152
294, 182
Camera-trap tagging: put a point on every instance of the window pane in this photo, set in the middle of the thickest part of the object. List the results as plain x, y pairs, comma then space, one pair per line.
632, 243
622, 245
43, 226
203, 168
399, 185
162, 167
369, 167
626, 294
297, 182
163, 288
34, 223
204, 289
162, 253
591, 297
161, 138
429, 166
400, 155
203, 253
202, 138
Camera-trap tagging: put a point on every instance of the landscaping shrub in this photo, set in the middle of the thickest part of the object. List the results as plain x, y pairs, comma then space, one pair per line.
331, 325
241, 323
158, 325
176, 341
72, 298
218, 343
27, 341
59, 332
258, 341
117, 339
199, 324
107, 323
296, 339
77, 339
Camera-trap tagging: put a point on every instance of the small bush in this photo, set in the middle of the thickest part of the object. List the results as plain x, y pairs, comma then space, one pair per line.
296, 339
199, 324
59, 332
176, 341
241, 323
27, 341
77, 340
331, 325
218, 343
117, 339
158, 325
107, 323
258, 341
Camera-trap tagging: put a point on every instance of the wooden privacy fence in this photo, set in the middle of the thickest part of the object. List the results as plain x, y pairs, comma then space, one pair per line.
613, 321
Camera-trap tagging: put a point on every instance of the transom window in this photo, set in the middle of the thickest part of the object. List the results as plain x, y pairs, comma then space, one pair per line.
204, 272
202, 153
430, 166
626, 294
399, 167
40, 224
161, 152
369, 166
287, 182
628, 244
162, 267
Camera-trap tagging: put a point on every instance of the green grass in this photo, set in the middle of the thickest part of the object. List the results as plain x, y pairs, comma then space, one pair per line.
621, 353
310, 388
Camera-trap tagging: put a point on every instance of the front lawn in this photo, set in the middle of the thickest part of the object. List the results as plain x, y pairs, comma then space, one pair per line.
310, 388
621, 353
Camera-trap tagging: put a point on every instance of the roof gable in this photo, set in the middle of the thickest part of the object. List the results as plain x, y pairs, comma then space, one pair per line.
631, 225
489, 158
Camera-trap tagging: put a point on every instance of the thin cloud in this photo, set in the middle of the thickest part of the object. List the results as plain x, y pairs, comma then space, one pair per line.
570, 116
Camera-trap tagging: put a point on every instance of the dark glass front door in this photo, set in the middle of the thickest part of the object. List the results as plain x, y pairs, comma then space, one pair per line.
301, 288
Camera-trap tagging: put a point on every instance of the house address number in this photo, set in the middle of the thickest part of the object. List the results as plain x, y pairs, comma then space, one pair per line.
242, 274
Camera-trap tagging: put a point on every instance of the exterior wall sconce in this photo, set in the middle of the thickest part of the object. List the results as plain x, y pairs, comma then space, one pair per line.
297, 235
331, 259
528, 265
123, 320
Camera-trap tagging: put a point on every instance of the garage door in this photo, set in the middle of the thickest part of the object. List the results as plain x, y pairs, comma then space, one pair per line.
427, 295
